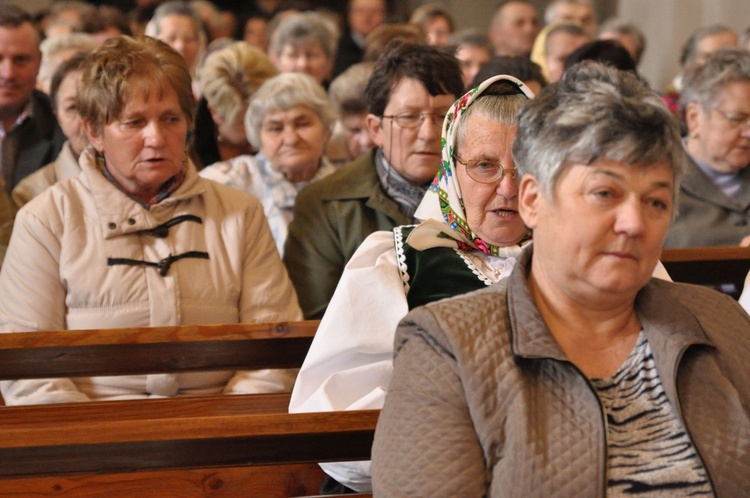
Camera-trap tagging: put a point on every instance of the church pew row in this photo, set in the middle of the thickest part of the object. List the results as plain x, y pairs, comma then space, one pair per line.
243, 445
722, 268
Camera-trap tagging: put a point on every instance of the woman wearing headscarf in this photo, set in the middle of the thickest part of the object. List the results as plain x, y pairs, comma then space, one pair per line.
579, 375
471, 237
138, 239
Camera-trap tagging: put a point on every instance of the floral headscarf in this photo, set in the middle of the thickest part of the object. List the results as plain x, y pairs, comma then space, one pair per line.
443, 204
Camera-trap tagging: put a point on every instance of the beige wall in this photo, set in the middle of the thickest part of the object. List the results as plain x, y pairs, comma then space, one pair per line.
668, 23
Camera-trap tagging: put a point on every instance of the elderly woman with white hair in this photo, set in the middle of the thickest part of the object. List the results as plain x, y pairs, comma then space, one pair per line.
714, 207
579, 375
289, 121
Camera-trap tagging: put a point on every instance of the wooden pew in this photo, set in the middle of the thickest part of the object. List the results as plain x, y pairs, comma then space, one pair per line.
192, 446
72, 353
722, 268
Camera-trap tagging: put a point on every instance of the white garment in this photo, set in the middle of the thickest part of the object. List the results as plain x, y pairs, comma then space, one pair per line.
255, 175
56, 276
350, 362
745, 297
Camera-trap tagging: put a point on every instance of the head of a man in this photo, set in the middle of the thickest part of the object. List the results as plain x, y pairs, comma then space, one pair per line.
20, 58
627, 34
705, 42
514, 28
410, 91
562, 40
579, 11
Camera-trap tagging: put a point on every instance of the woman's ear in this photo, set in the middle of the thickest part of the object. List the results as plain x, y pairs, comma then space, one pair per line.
218, 120
95, 138
529, 198
693, 113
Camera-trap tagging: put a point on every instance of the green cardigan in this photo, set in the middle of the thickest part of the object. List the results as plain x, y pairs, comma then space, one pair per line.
332, 217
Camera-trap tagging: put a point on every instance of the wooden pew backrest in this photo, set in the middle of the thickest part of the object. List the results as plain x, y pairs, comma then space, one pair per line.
75, 353
243, 445
721, 268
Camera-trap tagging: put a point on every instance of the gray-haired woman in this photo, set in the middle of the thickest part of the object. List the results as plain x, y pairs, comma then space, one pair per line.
289, 121
579, 375
714, 207
304, 42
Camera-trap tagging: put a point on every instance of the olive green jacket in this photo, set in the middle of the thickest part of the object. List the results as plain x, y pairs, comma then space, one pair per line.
331, 219
7, 212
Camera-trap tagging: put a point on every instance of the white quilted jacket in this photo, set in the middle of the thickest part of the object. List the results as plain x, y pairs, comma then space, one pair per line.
56, 276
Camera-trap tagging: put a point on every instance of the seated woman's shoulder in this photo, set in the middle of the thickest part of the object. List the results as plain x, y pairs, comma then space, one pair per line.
713, 309
57, 196
229, 195
235, 172
339, 183
693, 295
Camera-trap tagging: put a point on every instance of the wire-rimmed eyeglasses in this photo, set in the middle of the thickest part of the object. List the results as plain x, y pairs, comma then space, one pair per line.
413, 120
484, 171
737, 120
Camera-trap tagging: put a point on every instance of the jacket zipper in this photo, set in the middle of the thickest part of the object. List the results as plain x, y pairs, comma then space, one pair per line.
682, 418
603, 415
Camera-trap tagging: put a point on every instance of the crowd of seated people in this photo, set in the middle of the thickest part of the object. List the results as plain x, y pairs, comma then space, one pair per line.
183, 163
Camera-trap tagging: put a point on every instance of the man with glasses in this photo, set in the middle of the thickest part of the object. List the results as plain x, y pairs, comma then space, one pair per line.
408, 95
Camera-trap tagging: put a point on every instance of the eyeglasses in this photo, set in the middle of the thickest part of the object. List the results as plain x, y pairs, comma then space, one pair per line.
484, 171
737, 120
415, 119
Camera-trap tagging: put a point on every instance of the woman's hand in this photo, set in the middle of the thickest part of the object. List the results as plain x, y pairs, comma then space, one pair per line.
745, 242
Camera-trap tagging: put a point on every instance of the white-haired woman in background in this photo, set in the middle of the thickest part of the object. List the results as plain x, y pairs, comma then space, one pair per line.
289, 121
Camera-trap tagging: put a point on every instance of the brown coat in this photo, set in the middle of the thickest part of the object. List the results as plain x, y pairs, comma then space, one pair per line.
484, 402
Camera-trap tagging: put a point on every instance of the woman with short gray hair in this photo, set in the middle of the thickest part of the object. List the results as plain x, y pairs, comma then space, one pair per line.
304, 42
579, 374
714, 208
578, 127
289, 121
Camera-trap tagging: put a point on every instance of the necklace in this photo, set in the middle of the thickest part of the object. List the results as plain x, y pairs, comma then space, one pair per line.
495, 271
485, 268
